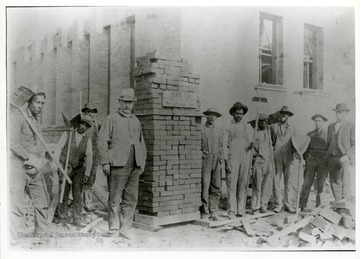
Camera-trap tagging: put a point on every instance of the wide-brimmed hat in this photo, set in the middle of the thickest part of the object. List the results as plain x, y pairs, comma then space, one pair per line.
319, 116
236, 106
75, 122
127, 95
285, 110
212, 110
262, 117
90, 107
341, 107
86, 121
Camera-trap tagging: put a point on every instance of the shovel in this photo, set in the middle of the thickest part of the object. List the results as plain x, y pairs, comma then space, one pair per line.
258, 100
300, 144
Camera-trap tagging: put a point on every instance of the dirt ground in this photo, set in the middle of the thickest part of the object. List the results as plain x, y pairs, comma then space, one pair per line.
184, 236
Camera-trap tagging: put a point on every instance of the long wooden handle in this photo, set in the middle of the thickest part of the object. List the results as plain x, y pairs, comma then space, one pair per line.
66, 166
43, 142
298, 191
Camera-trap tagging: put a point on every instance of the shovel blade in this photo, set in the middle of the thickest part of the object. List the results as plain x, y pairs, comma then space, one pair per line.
300, 143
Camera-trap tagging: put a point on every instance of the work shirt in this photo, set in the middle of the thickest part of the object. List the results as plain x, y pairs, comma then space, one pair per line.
318, 143
23, 140
211, 140
78, 137
237, 138
262, 146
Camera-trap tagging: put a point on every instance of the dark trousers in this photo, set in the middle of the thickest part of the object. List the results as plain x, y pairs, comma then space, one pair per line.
315, 165
339, 184
123, 184
76, 177
210, 183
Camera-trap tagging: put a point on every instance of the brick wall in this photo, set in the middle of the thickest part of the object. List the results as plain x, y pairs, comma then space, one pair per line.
171, 182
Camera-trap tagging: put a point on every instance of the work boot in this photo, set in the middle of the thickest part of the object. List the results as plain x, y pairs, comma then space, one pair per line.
277, 209
263, 210
255, 212
290, 209
214, 217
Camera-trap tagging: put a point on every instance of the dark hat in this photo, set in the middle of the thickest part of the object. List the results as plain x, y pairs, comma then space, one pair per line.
127, 95
341, 107
86, 121
319, 116
236, 106
285, 110
75, 122
212, 110
89, 106
262, 117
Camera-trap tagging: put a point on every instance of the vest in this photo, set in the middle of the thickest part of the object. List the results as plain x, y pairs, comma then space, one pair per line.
77, 154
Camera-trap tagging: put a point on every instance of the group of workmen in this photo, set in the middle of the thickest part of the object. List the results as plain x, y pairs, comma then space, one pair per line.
261, 152
118, 147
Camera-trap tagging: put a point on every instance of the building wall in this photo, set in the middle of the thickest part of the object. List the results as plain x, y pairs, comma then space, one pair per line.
222, 44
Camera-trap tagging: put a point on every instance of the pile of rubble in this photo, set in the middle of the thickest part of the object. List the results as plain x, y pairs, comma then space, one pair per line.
326, 227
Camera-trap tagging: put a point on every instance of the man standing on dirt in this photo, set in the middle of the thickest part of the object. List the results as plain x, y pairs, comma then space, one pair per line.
237, 138
283, 156
89, 113
315, 162
79, 167
263, 168
211, 147
27, 167
340, 155
122, 156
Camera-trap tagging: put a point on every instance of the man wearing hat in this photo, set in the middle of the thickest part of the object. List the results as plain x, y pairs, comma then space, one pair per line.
27, 166
263, 168
237, 138
89, 112
315, 162
340, 154
211, 147
283, 155
122, 156
79, 167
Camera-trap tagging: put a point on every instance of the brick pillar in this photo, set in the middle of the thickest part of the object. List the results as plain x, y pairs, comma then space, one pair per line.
168, 108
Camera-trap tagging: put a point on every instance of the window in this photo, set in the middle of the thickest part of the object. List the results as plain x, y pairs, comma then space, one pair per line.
313, 57
271, 49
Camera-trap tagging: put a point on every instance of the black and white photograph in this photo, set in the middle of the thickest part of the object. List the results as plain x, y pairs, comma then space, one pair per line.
180, 128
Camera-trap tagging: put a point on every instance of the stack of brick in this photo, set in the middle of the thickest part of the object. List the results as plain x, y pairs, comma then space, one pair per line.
168, 108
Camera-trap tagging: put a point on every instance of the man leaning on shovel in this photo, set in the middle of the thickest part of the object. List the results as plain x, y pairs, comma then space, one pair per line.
79, 168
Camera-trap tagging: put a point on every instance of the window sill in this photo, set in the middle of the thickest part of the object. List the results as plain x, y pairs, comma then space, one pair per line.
312, 92
268, 87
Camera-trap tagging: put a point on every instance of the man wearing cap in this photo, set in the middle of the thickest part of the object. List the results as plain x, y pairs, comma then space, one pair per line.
27, 165
122, 156
340, 154
263, 168
315, 162
79, 168
236, 145
89, 112
211, 147
283, 155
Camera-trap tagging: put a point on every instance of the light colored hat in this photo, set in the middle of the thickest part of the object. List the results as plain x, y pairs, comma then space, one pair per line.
319, 116
341, 107
127, 95
212, 110
89, 106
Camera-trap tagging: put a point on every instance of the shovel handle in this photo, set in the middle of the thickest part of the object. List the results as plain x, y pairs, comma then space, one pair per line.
43, 142
66, 166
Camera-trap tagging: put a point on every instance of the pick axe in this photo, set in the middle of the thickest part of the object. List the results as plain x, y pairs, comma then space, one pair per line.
42, 142
68, 125
258, 100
